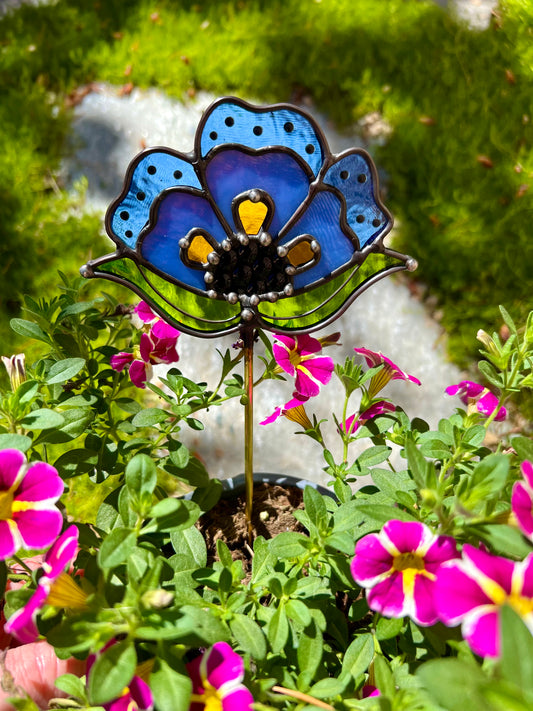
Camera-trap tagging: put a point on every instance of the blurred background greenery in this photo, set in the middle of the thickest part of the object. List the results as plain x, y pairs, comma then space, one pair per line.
459, 103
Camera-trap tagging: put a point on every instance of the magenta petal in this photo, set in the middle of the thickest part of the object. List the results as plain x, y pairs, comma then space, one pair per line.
273, 417
41, 482
406, 536
120, 360
456, 593
240, 699
525, 570
145, 348
281, 351
482, 632
138, 373
425, 612
313, 373
144, 312
494, 567
488, 403
164, 331
141, 694
221, 664
9, 539
349, 426
371, 560
21, 624
38, 527
388, 597
444, 548
527, 472
11, 462
62, 553
522, 507
306, 344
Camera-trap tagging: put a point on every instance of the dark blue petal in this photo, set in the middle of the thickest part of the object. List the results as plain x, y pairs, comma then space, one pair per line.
176, 213
322, 221
149, 173
355, 177
234, 121
231, 172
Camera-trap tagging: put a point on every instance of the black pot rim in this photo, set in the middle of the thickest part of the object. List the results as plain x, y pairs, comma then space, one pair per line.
237, 484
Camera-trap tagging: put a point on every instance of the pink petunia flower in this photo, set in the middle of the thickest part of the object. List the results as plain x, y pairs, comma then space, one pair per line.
137, 696
55, 587
378, 408
145, 313
471, 592
298, 357
157, 346
29, 517
217, 681
390, 371
398, 566
474, 394
522, 500
297, 401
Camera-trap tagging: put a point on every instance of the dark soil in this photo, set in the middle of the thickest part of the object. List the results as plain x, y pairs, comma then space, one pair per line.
271, 514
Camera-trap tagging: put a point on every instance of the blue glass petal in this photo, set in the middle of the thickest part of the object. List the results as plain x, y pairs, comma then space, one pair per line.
176, 214
149, 174
354, 176
322, 220
233, 121
231, 172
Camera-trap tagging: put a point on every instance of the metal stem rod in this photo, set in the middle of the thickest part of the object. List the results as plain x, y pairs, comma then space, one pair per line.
248, 340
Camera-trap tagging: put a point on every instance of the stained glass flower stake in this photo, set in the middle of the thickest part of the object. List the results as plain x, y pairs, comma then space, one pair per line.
260, 227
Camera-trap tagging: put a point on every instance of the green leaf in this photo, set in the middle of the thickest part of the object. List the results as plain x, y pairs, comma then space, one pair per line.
42, 419
28, 329
358, 655
310, 649
523, 446
372, 456
516, 662
141, 475
419, 466
112, 672
64, 370
117, 547
382, 513
298, 611
383, 676
454, 684
504, 540
150, 417
278, 630
72, 685
388, 628
191, 543
248, 635
15, 441
315, 507
208, 496
179, 454
288, 544
263, 560
326, 688
171, 688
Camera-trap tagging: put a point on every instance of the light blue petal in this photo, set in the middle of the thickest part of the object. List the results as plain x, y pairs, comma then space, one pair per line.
355, 177
234, 121
149, 173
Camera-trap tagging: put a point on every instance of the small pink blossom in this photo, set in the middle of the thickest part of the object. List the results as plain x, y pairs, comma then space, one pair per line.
390, 370
471, 592
298, 357
217, 681
157, 346
484, 400
522, 500
294, 402
55, 587
398, 566
29, 517
370, 691
378, 408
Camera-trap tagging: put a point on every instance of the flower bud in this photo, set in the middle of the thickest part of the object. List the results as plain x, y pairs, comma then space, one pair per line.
157, 599
16, 369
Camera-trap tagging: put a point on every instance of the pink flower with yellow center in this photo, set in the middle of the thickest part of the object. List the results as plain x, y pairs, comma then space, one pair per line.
29, 517
55, 587
390, 371
398, 567
217, 681
522, 500
471, 592
477, 397
298, 357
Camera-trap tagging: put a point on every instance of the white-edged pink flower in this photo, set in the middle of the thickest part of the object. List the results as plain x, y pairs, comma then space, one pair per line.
478, 396
398, 567
472, 590
55, 587
29, 517
522, 500
217, 681
298, 357
390, 370
145, 313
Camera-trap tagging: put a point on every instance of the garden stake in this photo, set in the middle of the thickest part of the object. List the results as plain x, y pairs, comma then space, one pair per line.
302, 697
247, 335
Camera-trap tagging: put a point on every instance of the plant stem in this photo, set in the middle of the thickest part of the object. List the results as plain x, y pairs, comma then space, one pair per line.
302, 697
247, 335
